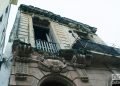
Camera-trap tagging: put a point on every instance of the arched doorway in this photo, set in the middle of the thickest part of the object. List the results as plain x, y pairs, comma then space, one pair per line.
55, 80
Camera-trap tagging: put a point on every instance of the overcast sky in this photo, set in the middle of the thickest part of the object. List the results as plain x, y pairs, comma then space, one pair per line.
102, 14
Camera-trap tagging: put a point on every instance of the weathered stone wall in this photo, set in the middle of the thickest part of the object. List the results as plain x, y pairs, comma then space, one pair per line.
59, 32
95, 38
96, 76
25, 29
31, 69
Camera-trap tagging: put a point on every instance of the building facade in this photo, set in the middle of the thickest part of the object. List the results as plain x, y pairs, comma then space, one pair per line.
4, 14
52, 50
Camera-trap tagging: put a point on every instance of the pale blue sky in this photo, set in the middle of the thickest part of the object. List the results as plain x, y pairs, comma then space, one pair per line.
102, 14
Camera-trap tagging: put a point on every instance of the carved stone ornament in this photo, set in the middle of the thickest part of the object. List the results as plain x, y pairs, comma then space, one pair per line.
52, 65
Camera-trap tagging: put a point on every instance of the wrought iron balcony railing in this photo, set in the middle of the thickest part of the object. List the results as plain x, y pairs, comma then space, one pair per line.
46, 46
95, 47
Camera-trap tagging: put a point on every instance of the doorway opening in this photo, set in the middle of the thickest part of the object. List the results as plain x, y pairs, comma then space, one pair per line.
56, 80
41, 33
41, 29
44, 40
52, 83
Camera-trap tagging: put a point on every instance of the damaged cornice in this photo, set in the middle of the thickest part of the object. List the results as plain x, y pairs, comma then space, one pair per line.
58, 18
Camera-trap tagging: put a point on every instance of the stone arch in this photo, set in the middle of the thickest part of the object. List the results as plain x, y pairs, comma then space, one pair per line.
55, 80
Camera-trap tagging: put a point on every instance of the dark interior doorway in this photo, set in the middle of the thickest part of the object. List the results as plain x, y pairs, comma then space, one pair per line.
41, 28
56, 80
52, 83
41, 33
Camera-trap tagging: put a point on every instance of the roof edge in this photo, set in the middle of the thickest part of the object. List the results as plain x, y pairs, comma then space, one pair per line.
58, 18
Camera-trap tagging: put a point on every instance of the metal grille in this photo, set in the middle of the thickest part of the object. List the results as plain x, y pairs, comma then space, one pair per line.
46, 46
95, 47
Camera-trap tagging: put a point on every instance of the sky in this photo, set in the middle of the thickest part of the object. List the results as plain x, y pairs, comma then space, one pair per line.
102, 14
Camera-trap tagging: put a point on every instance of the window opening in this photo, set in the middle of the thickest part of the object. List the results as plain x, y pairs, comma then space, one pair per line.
6, 10
41, 29
43, 37
41, 33
1, 18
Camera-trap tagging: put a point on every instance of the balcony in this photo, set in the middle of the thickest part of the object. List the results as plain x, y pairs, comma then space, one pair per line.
46, 46
82, 43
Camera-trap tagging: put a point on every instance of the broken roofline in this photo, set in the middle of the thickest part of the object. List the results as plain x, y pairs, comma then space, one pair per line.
58, 18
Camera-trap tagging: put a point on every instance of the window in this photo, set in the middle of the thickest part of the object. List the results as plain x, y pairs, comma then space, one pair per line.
1, 18
41, 33
70, 31
2, 38
43, 37
6, 10
41, 29
91, 36
3, 30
